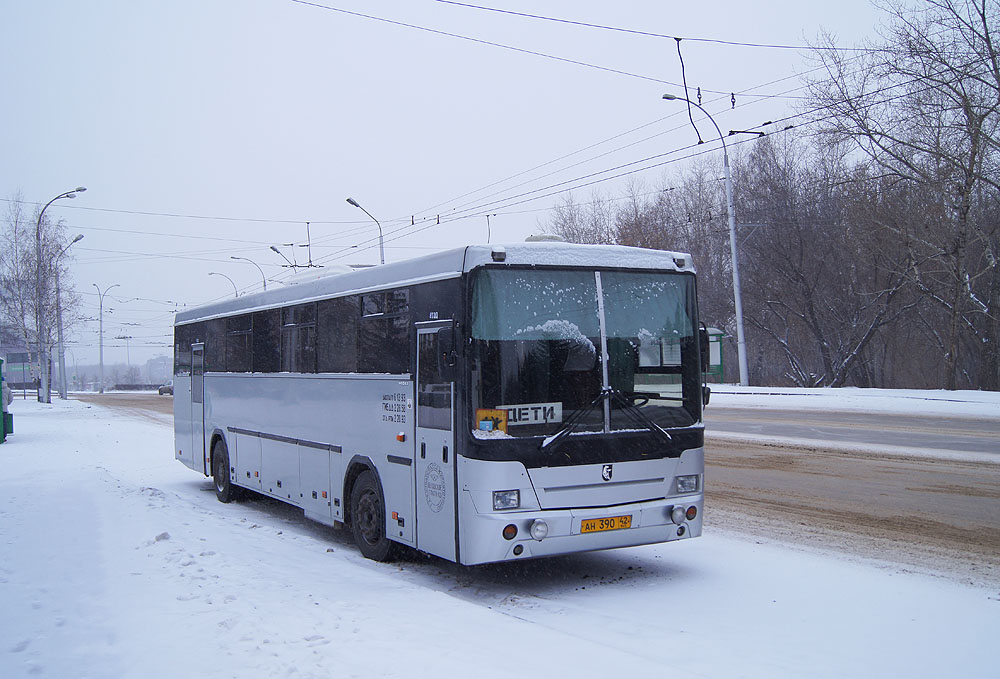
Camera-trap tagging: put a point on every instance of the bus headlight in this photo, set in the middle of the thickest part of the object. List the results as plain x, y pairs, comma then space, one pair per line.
687, 484
506, 499
539, 529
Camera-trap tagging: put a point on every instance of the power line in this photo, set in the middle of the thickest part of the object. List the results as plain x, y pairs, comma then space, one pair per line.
491, 43
647, 33
187, 216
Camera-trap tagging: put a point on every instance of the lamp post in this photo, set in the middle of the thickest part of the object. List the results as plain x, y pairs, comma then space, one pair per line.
290, 264
245, 259
44, 395
216, 273
741, 345
100, 297
381, 243
59, 322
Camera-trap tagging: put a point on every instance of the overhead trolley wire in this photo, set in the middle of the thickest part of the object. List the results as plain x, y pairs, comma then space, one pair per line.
644, 33
490, 43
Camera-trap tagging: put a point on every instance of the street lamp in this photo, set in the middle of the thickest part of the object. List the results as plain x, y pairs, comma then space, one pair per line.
741, 345
245, 259
216, 273
381, 243
44, 395
100, 297
59, 322
291, 264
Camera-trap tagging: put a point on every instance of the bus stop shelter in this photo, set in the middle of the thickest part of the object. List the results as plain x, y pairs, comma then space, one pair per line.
714, 369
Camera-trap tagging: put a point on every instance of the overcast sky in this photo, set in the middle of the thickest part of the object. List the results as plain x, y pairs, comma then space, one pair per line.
205, 129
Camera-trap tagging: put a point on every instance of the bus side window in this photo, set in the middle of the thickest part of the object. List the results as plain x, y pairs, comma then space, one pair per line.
183, 337
337, 335
266, 354
215, 344
298, 338
384, 337
238, 344
434, 394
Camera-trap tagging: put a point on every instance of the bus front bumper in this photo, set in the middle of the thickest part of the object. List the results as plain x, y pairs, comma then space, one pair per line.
566, 530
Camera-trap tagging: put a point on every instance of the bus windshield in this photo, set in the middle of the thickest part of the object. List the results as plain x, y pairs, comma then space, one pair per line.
538, 351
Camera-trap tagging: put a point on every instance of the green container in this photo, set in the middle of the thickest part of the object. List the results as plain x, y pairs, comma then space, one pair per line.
7, 422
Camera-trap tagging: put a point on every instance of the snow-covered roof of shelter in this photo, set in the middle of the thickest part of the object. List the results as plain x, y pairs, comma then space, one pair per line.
440, 266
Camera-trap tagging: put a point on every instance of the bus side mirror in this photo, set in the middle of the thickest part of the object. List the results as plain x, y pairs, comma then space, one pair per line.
703, 345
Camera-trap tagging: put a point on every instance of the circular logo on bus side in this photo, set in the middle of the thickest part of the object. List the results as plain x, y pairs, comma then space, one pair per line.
435, 490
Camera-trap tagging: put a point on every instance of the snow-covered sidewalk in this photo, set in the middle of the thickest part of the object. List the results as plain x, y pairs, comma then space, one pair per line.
116, 561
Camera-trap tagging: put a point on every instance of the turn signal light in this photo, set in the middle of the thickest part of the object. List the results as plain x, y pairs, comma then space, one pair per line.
509, 531
401, 436
691, 513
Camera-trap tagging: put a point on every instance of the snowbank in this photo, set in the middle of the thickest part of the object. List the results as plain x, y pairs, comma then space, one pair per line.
973, 404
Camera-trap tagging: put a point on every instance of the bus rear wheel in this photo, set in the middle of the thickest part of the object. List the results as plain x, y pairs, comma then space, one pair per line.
224, 489
368, 518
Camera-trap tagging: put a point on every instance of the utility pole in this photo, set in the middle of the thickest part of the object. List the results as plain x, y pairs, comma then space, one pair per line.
59, 322
100, 296
741, 344
263, 278
44, 394
128, 356
381, 243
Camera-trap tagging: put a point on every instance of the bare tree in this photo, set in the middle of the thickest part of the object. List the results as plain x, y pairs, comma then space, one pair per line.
22, 303
591, 222
923, 105
820, 284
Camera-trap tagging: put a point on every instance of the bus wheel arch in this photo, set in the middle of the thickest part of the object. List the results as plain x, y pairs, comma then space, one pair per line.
225, 491
366, 511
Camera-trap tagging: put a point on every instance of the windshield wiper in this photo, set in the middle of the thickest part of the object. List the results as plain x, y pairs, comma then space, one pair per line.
639, 417
615, 396
572, 422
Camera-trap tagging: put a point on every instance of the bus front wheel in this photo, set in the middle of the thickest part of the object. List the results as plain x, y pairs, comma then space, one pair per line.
224, 489
368, 518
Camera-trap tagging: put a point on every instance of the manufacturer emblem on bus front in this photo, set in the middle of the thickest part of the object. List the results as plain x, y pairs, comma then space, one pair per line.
606, 472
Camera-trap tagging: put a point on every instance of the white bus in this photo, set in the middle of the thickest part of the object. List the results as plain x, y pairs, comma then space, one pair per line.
482, 404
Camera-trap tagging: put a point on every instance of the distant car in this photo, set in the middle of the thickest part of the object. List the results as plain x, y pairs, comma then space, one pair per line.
167, 388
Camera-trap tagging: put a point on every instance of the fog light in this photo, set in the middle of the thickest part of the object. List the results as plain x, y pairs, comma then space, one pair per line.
518, 550
687, 484
539, 529
677, 516
680, 531
509, 531
691, 513
506, 499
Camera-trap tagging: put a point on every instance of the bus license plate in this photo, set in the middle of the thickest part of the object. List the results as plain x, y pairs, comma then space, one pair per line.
609, 523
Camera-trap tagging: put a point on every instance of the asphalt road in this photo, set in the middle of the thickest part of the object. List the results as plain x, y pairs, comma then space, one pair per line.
939, 515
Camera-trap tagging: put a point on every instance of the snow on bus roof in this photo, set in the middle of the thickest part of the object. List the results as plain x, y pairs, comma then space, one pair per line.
441, 266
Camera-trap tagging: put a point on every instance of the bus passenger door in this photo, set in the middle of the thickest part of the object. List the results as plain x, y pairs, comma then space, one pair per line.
435, 445
198, 405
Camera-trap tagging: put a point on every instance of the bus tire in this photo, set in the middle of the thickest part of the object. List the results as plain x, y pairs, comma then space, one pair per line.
368, 518
224, 489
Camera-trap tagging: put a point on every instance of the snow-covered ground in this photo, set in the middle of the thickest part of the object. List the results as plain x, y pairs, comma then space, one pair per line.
116, 561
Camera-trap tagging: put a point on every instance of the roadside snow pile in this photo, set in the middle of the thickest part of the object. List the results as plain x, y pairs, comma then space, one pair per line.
967, 403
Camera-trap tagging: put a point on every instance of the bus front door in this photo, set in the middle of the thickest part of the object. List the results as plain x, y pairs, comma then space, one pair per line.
198, 406
437, 529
